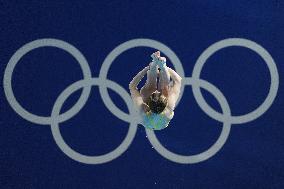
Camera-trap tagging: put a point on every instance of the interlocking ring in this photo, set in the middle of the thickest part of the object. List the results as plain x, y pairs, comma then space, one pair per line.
272, 70
215, 147
69, 151
124, 47
7, 82
103, 83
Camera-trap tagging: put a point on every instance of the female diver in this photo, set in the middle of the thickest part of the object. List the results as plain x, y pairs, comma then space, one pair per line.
156, 105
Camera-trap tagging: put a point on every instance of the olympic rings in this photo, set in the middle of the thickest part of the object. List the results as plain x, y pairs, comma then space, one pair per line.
103, 83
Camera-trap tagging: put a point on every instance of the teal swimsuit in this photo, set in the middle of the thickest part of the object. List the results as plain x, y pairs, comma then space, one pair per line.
155, 121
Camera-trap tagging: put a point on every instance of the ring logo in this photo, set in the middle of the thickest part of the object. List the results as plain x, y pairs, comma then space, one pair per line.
103, 83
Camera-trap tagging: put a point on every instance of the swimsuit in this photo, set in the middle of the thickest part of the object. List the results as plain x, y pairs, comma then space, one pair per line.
155, 121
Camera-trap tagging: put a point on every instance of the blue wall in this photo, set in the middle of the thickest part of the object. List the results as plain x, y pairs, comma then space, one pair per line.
252, 156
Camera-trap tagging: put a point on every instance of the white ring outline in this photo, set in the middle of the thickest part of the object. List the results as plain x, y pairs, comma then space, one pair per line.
190, 159
48, 42
85, 158
242, 43
141, 42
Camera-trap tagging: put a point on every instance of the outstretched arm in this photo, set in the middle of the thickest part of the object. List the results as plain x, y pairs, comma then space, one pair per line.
135, 94
176, 78
135, 81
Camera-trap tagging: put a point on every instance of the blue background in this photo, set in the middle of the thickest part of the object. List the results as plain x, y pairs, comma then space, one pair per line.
252, 157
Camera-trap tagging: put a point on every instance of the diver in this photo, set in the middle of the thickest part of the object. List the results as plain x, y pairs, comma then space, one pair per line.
156, 100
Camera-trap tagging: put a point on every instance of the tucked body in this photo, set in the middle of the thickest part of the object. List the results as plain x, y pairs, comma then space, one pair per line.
156, 100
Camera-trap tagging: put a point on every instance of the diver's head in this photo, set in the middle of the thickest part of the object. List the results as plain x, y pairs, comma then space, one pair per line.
157, 102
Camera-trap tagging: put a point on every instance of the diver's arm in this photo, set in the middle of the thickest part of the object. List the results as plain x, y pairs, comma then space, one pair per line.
135, 94
172, 99
135, 81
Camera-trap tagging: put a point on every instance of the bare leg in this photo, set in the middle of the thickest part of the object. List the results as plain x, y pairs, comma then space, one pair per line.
151, 83
164, 79
152, 76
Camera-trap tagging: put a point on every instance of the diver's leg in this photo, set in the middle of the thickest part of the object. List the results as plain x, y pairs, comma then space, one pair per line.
152, 74
151, 82
164, 78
